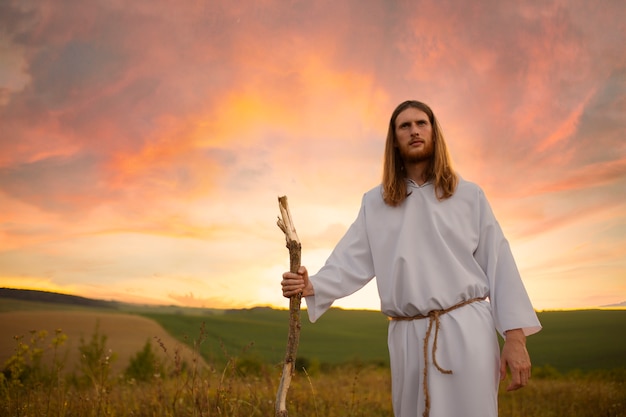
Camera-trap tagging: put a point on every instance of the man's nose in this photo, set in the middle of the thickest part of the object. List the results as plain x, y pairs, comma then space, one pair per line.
414, 130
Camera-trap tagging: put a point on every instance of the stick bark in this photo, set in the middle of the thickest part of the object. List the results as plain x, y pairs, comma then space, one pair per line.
285, 223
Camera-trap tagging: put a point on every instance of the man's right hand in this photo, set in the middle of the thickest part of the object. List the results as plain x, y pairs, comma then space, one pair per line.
297, 283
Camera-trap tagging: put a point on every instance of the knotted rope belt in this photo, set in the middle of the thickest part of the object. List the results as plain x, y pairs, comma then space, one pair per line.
433, 319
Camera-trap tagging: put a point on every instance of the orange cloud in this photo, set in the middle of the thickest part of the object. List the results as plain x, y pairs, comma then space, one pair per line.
177, 130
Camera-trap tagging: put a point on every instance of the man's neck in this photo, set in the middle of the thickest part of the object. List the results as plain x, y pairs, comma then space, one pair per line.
417, 172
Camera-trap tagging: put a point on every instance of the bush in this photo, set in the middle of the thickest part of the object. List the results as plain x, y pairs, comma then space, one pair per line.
250, 365
144, 365
545, 372
95, 360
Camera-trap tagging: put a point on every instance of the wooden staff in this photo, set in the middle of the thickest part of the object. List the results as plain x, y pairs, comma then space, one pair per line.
293, 244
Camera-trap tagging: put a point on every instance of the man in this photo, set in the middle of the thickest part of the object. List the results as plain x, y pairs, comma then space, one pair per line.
445, 273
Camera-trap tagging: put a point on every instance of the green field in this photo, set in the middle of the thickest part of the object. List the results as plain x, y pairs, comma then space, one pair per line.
354, 342
584, 339
581, 339
340, 336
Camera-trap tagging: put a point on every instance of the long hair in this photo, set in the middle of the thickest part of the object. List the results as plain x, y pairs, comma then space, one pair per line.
439, 170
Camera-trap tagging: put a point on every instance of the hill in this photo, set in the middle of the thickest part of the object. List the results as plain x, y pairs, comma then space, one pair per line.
53, 297
126, 334
583, 339
570, 340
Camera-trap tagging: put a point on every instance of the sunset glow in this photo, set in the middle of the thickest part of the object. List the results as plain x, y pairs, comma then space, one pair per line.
143, 145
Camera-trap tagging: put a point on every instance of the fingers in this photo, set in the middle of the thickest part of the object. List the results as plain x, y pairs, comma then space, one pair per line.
502, 370
292, 284
520, 375
297, 283
518, 381
515, 356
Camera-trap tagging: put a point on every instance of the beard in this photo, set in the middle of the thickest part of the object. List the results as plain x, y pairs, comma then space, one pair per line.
414, 156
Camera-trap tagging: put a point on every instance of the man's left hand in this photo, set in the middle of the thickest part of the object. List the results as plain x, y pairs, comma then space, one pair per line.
515, 356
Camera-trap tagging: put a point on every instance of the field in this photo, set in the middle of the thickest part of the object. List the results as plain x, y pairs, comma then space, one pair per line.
579, 359
126, 334
338, 337
583, 340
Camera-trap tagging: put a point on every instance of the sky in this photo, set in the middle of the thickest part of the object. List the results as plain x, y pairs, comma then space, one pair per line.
144, 144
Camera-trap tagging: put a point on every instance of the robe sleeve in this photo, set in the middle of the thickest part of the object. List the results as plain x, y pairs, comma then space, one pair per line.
510, 303
348, 269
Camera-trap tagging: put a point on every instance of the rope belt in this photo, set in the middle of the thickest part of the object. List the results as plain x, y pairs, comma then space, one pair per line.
433, 319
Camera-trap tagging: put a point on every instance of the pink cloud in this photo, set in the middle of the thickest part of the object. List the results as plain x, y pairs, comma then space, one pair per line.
138, 117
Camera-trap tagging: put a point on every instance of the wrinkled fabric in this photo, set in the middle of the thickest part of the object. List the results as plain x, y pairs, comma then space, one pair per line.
430, 255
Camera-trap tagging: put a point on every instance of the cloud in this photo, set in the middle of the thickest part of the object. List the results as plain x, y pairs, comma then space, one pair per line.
178, 127
55, 184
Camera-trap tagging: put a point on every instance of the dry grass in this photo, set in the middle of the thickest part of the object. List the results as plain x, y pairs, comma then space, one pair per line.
126, 334
242, 388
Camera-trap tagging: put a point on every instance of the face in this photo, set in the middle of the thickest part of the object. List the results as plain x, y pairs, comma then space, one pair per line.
414, 136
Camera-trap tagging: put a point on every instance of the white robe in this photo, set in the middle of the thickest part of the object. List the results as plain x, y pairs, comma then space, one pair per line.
429, 255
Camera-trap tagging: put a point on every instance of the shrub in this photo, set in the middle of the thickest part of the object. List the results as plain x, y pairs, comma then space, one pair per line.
95, 360
144, 365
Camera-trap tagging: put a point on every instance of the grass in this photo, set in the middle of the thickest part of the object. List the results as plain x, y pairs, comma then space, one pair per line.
339, 337
570, 340
582, 339
33, 389
592, 395
580, 368
126, 333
